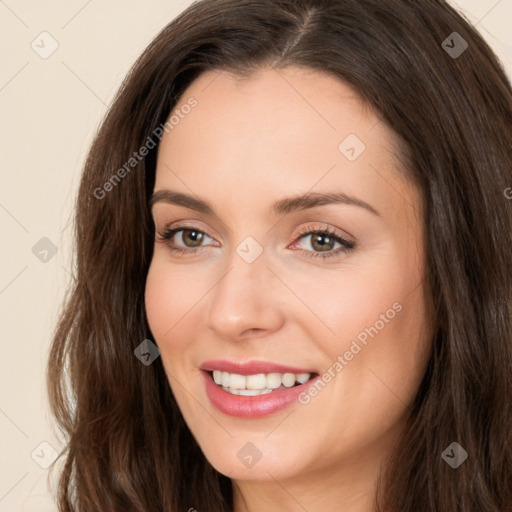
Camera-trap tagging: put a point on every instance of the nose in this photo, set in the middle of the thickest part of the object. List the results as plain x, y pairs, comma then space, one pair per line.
246, 301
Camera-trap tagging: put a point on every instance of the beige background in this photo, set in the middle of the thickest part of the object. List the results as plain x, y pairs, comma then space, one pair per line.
50, 110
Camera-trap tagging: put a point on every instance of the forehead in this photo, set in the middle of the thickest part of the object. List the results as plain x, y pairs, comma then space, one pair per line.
276, 132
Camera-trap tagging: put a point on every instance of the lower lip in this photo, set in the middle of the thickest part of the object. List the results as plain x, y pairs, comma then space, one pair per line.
252, 406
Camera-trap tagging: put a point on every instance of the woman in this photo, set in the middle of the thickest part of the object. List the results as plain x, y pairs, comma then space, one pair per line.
293, 274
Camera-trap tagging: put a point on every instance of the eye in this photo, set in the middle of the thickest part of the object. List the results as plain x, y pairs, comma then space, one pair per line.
191, 239
322, 240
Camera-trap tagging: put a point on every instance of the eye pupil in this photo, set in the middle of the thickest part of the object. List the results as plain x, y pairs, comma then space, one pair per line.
327, 245
192, 235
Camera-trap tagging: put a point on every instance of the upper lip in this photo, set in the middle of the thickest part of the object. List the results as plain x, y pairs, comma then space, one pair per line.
252, 367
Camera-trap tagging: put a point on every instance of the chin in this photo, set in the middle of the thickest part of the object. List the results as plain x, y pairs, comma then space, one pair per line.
254, 460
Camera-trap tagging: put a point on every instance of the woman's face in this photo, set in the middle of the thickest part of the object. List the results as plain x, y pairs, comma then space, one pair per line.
303, 281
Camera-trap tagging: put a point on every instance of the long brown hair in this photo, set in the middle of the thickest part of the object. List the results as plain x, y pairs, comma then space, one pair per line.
128, 447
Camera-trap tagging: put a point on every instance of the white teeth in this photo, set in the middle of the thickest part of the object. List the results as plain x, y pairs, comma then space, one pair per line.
273, 380
258, 381
250, 392
261, 383
247, 392
303, 377
237, 381
217, 377
288, 380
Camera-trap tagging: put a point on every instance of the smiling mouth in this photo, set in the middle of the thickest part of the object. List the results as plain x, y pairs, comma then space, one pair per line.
258, 384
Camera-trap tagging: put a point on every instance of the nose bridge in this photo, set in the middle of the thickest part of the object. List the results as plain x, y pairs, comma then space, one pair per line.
244, 297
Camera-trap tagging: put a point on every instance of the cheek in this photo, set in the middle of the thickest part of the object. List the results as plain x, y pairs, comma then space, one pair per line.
157, 296
377, 316
165, 300
171, 301
356, 297
174, 299
385, 335
170, 297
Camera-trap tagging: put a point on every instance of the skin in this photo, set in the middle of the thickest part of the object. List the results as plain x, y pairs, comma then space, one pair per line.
248, 143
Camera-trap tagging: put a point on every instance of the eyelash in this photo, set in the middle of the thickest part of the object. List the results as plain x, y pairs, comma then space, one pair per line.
347, 246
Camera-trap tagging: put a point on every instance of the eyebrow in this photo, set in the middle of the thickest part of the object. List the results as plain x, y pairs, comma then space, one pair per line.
283, 206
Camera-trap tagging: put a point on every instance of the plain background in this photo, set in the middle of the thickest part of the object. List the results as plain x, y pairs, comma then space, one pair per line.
51, 108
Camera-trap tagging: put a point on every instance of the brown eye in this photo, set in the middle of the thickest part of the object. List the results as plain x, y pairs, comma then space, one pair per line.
184, 239
191, 237
322, 242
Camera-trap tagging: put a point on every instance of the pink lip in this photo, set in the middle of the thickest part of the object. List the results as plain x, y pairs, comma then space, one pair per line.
252, 367
251, 406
